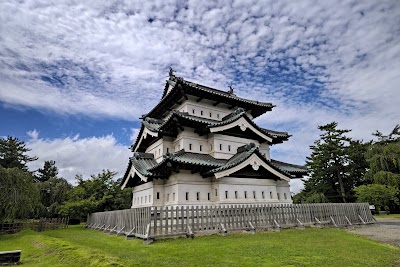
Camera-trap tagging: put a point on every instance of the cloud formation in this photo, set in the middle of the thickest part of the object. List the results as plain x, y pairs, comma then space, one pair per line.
79, 156
318, 61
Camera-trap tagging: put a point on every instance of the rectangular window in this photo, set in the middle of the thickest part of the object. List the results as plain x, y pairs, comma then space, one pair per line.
190, 146
192, 111
187, 195
245, 194
173, 196
210, 148
167, 197
158, 195
226, 194
159, 151
210, 114
216, 192
284, 195
141, 200
217, 116
236, 195
270, 194
254, 194
208, 196
198, 195
201, 147
220, 147
229, 147
201, 113
277, 194
149, 198
262, 194
167, 149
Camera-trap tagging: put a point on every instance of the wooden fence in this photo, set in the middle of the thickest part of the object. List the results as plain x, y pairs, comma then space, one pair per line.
153, 222
41, 224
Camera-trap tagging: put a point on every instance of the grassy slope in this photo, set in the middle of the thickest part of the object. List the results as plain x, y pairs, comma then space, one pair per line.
397, 216
78, 246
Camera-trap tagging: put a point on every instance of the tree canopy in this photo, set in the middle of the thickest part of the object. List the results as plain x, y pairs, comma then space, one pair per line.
48, 171
335, 166
13, 153
98, 193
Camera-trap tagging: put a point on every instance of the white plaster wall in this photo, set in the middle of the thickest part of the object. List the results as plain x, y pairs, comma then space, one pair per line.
283, 189
220, 145
157, 149
191, 142
142, 195
265, 150
204, 108
248, 185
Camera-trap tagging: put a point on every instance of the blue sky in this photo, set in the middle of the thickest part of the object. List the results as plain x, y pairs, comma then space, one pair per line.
76, 76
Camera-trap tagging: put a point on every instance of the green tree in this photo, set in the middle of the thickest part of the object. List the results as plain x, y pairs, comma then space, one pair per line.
48, 171
99, 193
377, 194
53, 193
383, 157
336, 165
19, 195
13, 153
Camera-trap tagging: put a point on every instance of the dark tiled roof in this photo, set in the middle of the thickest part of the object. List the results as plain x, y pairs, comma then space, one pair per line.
181, 87
156, 125
292, 168
146, 165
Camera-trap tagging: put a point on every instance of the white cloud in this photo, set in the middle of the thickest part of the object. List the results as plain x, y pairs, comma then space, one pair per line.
134, 134
33, 134
318, 61
85, 156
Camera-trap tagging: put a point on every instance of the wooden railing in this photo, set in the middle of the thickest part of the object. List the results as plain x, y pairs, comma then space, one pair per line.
153, 222
41, 224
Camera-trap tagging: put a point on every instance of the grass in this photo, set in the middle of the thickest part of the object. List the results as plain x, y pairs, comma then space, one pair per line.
77, 246
397, 216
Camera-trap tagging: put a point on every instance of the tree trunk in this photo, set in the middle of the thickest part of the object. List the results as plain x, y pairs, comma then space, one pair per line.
341, 187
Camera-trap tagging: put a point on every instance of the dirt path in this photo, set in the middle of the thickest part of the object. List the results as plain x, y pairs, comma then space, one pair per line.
387, 230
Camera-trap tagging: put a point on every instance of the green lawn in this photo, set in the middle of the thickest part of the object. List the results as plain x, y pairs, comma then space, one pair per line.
77, 246
388, 216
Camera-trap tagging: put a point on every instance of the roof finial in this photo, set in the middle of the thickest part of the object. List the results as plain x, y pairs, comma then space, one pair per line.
231, 89
171, 72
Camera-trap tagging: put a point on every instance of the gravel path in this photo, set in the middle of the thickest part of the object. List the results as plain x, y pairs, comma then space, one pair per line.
386, 230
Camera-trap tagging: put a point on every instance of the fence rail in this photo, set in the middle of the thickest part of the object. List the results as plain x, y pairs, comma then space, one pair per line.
41, 224
153, 222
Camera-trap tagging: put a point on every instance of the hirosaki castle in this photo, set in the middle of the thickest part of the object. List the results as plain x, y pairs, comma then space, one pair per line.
200, 146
